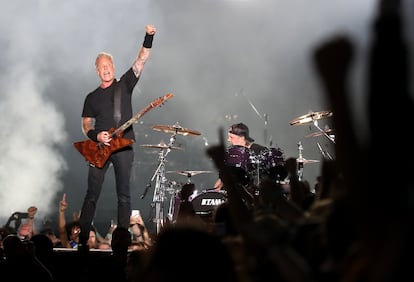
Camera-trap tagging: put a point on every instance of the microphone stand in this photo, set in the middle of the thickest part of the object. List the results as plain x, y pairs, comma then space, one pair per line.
263, 117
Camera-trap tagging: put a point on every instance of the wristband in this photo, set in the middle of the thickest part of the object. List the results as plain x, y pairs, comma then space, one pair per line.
148, 40
93, 135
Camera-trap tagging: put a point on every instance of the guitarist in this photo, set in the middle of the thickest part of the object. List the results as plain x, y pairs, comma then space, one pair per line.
104, 109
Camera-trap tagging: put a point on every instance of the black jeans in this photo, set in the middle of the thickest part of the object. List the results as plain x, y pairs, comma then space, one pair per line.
122, 163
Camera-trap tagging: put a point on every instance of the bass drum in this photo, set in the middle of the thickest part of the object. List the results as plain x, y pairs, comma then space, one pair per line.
206, 202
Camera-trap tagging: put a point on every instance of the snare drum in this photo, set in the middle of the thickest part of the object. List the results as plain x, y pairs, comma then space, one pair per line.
206, 202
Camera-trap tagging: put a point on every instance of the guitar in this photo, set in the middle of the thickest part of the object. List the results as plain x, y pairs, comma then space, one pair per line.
98, 153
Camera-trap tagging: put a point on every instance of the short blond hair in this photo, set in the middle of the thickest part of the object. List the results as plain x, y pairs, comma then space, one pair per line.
103, 54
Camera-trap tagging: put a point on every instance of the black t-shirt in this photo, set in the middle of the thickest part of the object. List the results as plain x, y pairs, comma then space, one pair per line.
257, 149
99, 104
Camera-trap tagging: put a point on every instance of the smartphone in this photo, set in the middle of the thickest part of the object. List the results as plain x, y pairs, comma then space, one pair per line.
135, 213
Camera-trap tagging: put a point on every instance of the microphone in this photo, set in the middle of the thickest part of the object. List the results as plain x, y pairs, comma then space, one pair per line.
146, 190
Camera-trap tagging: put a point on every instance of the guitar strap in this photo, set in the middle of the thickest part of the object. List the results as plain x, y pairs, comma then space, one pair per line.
117, 104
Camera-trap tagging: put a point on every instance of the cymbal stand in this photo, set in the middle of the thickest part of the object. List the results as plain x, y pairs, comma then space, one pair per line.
160, 189
331, 138
173, 201
300, 161
254, 159
325, 154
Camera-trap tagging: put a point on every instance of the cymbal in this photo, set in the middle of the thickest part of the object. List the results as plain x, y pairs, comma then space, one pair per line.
310, 117
319, 133
161, 146
177, 129
305, 161
189, 173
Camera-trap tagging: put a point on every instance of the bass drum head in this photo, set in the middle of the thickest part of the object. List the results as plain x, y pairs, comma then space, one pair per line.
206, 202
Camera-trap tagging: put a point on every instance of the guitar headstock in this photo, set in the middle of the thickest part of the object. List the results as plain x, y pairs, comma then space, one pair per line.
161, 100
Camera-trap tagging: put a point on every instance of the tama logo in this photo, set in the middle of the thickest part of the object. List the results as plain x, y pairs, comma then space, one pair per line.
211, 202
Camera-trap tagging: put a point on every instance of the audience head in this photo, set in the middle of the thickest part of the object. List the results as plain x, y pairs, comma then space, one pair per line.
121, 240
197, 249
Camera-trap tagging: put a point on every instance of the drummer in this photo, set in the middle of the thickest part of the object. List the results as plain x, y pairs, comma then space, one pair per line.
238, 135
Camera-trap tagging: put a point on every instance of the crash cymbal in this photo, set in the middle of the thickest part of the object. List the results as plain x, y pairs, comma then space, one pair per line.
310, 117
176, 128
319, 133
189, 173
161, 146
305, 161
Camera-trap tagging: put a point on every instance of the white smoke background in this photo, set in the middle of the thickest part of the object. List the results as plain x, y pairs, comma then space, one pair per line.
30, 166
226, 61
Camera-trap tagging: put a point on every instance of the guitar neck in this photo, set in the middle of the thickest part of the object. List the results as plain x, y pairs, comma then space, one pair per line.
132, 120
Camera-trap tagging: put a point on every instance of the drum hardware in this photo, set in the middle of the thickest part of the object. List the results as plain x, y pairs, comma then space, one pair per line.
174, 201
306, 161
319, 133
324, 152
160, 183
176, 129
189, 173
160, 189
310, 117
323, 132
160, 146
314, 117
302, 161
256, 161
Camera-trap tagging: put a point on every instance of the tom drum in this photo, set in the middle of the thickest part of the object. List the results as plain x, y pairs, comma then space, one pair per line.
273, 163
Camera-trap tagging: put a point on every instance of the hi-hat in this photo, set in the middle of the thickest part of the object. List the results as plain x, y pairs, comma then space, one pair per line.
189, 173
319, 133
176, 128
310, 117
306, 161
161, 146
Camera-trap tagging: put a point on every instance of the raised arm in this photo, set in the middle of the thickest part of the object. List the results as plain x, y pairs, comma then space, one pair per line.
145, 50
63, 235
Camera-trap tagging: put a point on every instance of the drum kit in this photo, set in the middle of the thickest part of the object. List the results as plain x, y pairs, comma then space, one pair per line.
250, 167
269, 162
202, 203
